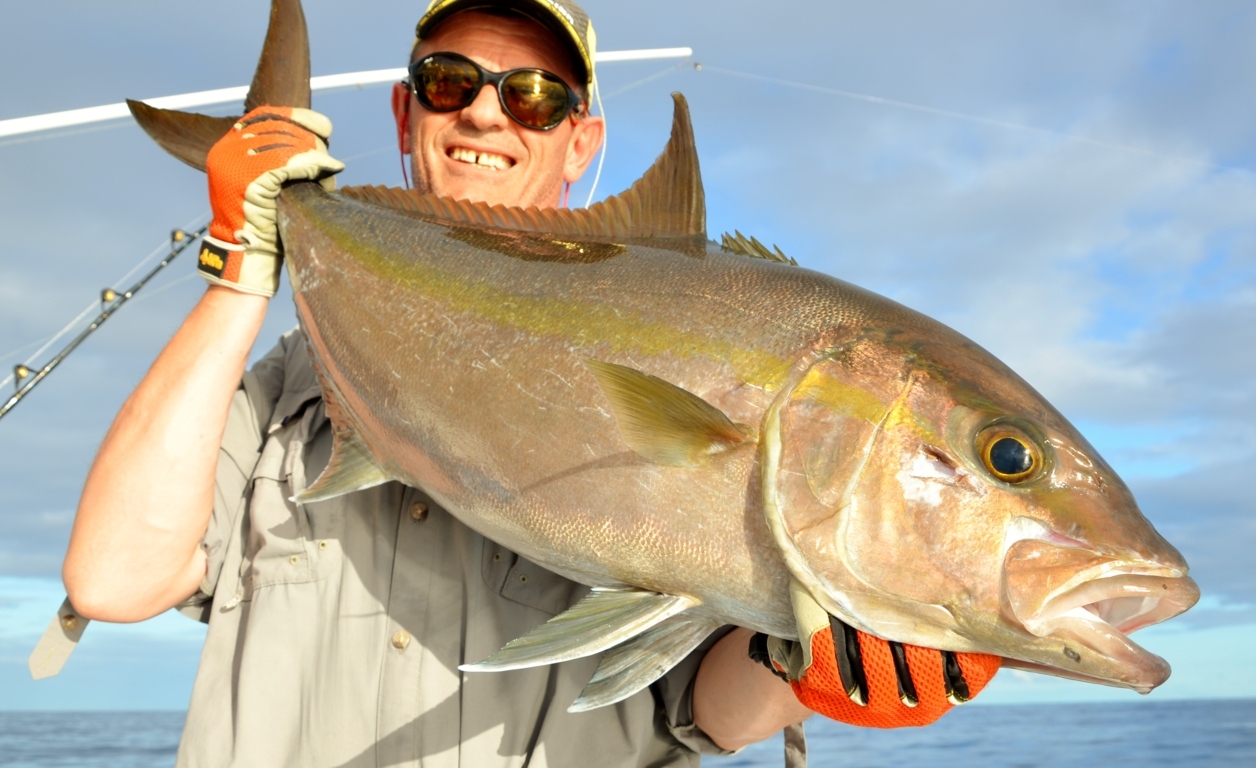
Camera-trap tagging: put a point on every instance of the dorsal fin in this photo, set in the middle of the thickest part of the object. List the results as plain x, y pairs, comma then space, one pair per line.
282, 79
744, 246
666, 204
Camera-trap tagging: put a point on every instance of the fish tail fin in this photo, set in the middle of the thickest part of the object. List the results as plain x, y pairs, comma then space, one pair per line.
282, 79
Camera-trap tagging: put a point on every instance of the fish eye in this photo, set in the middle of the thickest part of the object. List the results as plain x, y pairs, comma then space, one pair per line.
1009, 455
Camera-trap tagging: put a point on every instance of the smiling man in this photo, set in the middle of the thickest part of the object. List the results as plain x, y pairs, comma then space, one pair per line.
478, 151
336, 628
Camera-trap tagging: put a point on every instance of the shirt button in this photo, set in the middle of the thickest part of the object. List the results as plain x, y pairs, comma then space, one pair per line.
418, 511
401, 640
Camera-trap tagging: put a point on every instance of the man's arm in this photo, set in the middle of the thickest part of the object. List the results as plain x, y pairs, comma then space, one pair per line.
736, 700
135, 548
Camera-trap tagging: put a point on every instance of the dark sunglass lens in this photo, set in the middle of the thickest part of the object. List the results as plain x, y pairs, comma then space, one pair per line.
536, 99
443, 83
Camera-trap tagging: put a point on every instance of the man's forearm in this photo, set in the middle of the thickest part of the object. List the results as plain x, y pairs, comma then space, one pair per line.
135, 548
737, 701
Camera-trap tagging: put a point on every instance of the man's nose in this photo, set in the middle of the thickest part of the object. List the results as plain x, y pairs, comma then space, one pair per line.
485, 111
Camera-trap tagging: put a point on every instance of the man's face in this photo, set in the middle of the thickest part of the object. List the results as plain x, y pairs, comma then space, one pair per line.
479, 153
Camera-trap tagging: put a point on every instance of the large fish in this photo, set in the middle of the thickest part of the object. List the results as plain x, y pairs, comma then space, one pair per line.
703, 433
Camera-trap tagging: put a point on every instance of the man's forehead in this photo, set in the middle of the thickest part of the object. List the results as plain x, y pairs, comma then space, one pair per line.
501, 40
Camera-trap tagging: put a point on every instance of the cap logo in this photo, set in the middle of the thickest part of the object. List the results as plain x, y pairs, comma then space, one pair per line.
563, 11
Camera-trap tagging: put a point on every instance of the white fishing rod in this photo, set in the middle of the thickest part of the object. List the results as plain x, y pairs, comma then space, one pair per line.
72, 118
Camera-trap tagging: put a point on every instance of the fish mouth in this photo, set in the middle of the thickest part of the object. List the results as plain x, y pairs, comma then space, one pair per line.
1099, 614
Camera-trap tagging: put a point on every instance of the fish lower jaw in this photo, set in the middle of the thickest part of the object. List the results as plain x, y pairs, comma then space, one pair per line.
1099, 615
1131, 665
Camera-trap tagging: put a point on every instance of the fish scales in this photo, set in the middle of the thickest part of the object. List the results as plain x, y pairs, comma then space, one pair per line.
493, 386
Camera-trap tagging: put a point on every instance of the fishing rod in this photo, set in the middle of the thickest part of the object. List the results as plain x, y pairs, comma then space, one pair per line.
19, 126
25, 378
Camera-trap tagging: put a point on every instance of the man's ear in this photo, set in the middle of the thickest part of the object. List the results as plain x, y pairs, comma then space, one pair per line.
401, 113
586, 139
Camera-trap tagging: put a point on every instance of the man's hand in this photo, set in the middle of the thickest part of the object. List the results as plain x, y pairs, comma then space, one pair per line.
267, 148
862, 680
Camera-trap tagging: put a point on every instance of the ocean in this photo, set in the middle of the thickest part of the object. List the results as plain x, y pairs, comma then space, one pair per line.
1171, 733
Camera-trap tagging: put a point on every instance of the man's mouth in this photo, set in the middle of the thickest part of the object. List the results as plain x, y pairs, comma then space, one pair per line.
489, 160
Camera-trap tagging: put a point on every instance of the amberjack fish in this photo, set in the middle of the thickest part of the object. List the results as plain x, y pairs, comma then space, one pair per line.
702, 432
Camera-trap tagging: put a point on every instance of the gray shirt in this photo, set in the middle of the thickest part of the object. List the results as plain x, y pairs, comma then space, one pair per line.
336, 628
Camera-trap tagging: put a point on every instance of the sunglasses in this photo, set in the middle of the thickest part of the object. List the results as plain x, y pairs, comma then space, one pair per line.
533, 98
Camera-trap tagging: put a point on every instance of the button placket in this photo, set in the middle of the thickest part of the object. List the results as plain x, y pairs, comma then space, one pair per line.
418, 538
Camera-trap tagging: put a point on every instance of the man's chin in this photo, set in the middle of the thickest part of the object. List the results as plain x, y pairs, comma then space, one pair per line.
482, 186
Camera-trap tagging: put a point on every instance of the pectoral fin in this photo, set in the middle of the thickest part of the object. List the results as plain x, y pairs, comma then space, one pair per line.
631, 666
663, 422
605, 618
351, 468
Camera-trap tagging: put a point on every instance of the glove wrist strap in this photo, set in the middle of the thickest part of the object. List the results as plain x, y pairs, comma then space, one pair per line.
231, 266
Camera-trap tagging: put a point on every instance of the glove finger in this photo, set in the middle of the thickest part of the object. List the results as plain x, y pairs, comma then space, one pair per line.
902, 670
849, 659
315, 122
307, 119
893, 675
310, 165
272, 136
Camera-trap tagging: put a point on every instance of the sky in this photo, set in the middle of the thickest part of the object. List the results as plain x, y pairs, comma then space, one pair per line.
1072, 184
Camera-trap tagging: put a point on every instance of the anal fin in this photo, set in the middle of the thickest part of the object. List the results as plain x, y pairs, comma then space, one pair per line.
604, 618
351, 468
631, 666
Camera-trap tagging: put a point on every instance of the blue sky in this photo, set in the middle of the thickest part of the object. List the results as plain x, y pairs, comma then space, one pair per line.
1068, 183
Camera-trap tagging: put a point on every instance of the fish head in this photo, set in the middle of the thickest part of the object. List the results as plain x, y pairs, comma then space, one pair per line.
950, 506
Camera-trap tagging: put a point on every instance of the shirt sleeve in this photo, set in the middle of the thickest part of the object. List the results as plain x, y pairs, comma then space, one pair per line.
242, 441
675, 691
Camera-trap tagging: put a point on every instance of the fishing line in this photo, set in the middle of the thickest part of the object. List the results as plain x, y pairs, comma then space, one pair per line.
91, 307
368, 153
648, 79
602, 156
964, 116
20, 350
110, 302
167, 286
50, 341
163, 245
601, 108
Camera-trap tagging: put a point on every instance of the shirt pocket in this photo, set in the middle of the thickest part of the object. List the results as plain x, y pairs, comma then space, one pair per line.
291, 543
522, 581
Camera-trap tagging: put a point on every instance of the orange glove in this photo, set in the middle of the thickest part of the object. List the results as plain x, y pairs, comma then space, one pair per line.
866, 681
247, 169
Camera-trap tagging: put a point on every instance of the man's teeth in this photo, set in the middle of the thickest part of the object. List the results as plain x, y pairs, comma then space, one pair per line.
486, 159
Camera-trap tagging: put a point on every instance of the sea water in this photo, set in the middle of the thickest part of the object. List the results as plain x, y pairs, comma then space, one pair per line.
1170, 733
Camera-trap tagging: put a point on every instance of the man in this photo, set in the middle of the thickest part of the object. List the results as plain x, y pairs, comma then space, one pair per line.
336, 628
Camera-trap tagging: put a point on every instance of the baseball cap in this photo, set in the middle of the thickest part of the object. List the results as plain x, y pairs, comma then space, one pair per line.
562, 17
